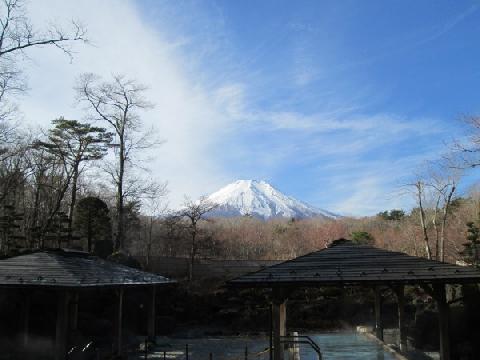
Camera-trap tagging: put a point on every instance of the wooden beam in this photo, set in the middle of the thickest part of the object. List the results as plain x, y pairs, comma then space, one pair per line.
61, 332
151, 314
119, 322
443, 313
279, 312
378, 314
400, 293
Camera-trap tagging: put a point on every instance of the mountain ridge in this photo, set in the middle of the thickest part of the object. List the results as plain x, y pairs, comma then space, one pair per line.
262, 200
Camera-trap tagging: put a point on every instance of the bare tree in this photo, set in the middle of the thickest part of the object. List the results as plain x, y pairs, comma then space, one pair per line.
49, 181
17, 35
13, 147
194, 212
117, 103
465, 153
434, 190
418, 189
172, 235
155, 207
443, 180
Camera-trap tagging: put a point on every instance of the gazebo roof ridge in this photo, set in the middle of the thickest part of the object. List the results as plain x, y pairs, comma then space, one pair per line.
345, 262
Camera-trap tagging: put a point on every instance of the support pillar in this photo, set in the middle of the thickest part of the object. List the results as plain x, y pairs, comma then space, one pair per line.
74, 311
400, 292
118, 322
61, 332
443, 311
378, 314
294, 349
151, 313
279, 312
270, 357
26, 318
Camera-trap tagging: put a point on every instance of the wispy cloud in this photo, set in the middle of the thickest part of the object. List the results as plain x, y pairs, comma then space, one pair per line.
449, 25
257, 110
188, 116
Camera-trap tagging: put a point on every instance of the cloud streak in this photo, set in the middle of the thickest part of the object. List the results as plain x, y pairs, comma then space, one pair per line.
228, 112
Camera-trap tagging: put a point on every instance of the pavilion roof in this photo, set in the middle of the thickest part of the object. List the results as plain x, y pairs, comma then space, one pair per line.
345, 262
62, 268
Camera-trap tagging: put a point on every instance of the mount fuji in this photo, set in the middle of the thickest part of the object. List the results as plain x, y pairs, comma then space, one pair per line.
261, 200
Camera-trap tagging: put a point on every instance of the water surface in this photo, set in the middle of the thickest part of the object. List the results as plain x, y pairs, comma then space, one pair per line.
334, 346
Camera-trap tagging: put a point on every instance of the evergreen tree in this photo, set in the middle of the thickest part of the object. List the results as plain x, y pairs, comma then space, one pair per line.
73, 143
394, 214
362, 238
92, 221
471, 252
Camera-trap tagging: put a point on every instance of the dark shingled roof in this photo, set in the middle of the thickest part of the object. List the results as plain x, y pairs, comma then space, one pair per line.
347, 263
62, 268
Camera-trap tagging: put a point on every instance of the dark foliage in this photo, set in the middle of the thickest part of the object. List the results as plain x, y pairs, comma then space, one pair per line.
92, 221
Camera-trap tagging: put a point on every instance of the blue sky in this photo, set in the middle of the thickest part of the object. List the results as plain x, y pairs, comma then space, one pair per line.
337, 103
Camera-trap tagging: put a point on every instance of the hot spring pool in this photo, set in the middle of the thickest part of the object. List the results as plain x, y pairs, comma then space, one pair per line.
334, 346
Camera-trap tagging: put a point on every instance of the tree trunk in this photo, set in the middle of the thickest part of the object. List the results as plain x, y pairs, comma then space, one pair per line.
192, 256
73, 200
444, 222
149, 244
119, 241
422, 221
435, 227
58, 203
36, 203
89, 229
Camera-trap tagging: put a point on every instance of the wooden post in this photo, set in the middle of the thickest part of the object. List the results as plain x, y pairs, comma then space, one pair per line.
378, 314
443, 310
294, 349
119, 321
151, 314
270, 355
400, 292
279, 324
26, 318
61, 332
74, 311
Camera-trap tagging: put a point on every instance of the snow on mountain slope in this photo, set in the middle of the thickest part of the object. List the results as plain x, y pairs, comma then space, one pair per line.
260, 199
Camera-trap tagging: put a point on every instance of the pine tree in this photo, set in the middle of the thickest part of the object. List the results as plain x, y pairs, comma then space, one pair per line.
471, 252
73, 143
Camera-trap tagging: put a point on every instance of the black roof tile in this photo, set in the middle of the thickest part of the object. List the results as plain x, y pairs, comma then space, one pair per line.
61, 268
347, 263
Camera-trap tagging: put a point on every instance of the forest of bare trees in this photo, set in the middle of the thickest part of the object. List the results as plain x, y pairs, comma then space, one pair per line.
250, 238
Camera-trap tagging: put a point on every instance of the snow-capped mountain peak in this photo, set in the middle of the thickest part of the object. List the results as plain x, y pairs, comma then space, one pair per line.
260, 199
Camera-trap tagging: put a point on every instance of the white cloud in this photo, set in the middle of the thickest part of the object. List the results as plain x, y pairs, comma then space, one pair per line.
202, 106
186, 115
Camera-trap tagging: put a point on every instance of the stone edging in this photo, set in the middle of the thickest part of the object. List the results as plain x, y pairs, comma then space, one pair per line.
388, 348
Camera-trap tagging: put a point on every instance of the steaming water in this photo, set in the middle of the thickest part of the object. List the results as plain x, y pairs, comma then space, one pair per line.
334, 346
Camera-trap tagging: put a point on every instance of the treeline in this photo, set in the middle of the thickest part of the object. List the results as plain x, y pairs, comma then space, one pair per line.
250, 238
